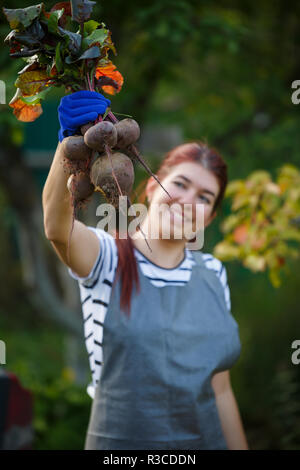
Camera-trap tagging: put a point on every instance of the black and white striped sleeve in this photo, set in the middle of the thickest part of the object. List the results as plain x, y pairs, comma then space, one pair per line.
223, 279
218, 267
104, 262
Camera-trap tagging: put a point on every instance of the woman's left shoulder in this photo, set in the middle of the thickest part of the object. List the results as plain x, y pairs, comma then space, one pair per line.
213, 263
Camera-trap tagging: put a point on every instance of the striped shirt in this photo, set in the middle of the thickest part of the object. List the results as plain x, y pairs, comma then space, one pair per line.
95, 290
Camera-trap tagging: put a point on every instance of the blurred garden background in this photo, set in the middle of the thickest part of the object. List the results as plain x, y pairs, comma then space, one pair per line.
219, 71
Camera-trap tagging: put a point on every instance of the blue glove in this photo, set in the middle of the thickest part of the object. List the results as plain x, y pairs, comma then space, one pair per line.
79, 108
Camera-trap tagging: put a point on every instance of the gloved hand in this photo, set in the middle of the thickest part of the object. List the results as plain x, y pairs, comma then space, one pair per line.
79, 108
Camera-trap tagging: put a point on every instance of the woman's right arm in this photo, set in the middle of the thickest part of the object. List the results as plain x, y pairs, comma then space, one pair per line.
57, 209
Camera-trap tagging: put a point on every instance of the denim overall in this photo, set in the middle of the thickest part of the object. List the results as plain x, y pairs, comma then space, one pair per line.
154, 390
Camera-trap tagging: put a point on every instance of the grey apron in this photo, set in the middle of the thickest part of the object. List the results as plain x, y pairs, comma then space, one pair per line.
154, 390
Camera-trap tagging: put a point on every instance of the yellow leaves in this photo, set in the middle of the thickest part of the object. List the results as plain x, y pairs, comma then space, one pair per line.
294, 194
225, 251
290, 234
273, 188
32, 82
283, 186
257, 178
255, 263
24, 112
259, 241
288, 176
259, 232
240, 200
230, 223
234, 187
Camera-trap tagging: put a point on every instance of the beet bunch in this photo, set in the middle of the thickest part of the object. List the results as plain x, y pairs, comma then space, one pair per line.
101, 159
97, 160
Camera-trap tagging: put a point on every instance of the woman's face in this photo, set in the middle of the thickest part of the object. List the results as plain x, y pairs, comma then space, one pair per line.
191, 188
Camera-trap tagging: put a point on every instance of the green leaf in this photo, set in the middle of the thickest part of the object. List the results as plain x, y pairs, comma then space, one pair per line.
97, 36
90, 26
35, 99
71, 71
22, 17
290, 235
106, 113
81, 10
58, 59
32, 82
53, 20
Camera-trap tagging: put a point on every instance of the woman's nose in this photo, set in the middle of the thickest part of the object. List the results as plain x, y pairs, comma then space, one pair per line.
188, 197
188, 203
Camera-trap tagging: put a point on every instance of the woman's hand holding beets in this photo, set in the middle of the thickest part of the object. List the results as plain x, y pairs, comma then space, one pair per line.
79, 108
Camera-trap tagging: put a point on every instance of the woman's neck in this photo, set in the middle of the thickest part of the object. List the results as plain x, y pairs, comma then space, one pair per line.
165, 253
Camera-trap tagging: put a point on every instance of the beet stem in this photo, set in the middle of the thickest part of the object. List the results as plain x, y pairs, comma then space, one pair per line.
113, 117
140, 228
89, 82
73, 217
137, 155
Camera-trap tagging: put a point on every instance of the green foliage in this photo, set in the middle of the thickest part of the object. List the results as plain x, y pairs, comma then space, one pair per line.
61, 414
61, 408
285, 402
56, 56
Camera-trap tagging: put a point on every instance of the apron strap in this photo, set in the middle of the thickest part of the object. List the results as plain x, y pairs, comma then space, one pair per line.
198, 257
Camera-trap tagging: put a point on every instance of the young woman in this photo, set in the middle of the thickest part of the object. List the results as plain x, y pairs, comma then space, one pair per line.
158, 326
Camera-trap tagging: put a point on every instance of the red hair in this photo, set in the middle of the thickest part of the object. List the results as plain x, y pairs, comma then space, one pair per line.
196, 151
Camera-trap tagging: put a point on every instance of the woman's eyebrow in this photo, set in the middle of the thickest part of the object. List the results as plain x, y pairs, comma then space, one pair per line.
189, 181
